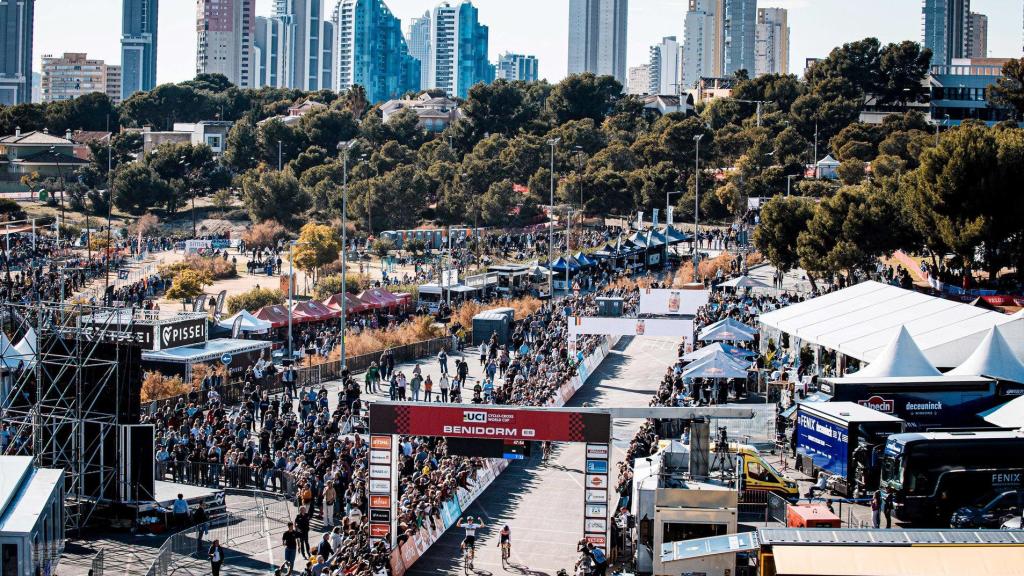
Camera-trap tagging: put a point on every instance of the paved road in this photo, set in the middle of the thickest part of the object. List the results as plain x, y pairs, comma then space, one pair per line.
542, 502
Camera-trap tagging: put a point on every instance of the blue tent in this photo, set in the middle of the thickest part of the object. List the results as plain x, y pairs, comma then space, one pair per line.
583, 260
674, 236
561, 265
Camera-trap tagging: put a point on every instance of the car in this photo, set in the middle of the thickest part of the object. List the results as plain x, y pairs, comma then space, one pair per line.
989, 512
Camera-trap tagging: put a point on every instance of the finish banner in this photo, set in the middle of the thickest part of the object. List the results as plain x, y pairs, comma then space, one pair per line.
675, 327
671, 301
487, 422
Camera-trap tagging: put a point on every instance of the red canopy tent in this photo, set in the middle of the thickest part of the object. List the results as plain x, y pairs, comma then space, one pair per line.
276, 314
378, 299
312, 311
355, 305
404, 298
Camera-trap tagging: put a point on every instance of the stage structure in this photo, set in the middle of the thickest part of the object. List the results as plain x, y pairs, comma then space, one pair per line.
70, 393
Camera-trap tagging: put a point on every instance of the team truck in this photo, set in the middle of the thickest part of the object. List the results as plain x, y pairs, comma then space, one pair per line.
932, 474
844, 440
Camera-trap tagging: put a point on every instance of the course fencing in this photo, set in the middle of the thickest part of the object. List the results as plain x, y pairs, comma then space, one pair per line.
250, 540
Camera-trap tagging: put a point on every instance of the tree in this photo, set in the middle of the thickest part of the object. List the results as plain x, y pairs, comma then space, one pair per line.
137, 188
901, 68
856, 62
275, 196
782, 220
188, 284
582, 96
851, 171
1008, 91
326, 127
264, 235
223, 200
355, 101
243, 149
498, 108
382, 246
187, 168
292, 142
121, 148
416, 246
496, 203
253, 300
318, 246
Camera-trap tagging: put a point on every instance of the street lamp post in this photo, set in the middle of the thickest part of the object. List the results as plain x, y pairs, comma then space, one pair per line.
291, 293
696, 203
344, 147
278, 155
60, 177
551, 219
789, 182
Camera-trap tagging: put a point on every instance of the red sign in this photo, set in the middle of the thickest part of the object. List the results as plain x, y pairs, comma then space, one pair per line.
598, 541
878, 403
380, 501
487, 422
380, 442
379, 530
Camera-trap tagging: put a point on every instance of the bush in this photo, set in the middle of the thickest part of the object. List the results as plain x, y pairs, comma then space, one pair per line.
355, 282
264, 235
254, 299
214, 267
523, 307
156, 386
10, 210
237, 214
375, 341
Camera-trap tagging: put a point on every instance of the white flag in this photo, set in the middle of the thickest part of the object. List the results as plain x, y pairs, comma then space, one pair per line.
668, 215
654, 218
640, 220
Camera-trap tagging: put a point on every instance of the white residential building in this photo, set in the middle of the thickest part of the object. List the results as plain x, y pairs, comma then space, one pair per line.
225, 32
639, 79
418, 38
597, 37
665, 67
771, 47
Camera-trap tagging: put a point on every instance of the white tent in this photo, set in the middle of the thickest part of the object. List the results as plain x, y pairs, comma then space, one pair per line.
250, 323
718, 347
727, 330
992, 358
743, 282
23, 352
859, 320
901, 357
718, 365
1008, 415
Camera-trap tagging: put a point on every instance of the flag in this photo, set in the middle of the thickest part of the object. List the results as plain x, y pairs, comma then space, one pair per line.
654, 218
668, 215
640, 220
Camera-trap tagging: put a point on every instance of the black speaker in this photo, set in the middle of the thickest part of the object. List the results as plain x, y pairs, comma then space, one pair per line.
136, 465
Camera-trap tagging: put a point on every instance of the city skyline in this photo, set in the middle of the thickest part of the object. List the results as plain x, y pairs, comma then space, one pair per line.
98, 29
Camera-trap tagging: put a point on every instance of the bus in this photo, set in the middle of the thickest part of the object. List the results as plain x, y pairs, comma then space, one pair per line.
931, 474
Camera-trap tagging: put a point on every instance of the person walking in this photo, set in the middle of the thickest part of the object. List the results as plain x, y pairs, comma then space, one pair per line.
302, 530
600, 560
463, 372
402, 385
371, 377
483, 353
330, 495
442, 359
290, 540
216, 555
887, 505
180, 509
199, 519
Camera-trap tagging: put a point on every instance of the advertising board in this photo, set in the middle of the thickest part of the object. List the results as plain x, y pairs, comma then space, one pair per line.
825, 443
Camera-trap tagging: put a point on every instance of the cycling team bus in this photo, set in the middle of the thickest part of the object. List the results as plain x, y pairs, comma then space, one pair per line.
932, 474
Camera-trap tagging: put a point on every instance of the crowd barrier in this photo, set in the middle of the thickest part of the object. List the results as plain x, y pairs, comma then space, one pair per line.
407, 553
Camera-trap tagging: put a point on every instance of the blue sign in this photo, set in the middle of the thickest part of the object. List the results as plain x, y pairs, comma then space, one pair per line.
220, 243
450, 512
825, 443
597, 466
226, 358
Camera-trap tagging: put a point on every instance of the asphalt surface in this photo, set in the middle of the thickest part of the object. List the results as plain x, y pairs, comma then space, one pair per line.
542, 502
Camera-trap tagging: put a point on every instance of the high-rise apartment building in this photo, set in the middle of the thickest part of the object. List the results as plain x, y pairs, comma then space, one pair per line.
458, 44
597, 37
739, 27
225, 30
138, 46
665, 67
315, 42
271, 50
718, 38
73, 74
516, 67
977, 36
418, 40
771, 44
946, 25
639, 79
16, 23
372, 51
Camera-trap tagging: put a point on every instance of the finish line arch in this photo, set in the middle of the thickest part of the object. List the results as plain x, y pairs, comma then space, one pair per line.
390, 419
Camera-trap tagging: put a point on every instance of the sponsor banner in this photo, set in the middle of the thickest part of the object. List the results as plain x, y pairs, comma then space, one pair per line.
377, 471
596, 496
182, 333
597, 451
380, 442
380, 486
193, 246
597, 481
450, 512
397, 566
596, 511
671, 301
409, 553
878, 403
380, 457
377, 501
597, 466
379, 530
675, 327
487, 422
378, 515
599, 525
600, 541
420, 538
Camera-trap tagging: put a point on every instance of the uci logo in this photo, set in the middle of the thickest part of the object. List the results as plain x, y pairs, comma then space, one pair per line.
474, 417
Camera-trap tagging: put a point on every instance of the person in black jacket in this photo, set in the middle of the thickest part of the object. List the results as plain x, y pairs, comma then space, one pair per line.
216, 557
324, 550
302, 528
199, 519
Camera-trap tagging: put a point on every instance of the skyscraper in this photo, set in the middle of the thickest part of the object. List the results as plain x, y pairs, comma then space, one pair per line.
665, 67
418, 40
946, 23
702, 52
138, 46
271, 49
513, 67
977, 36
771, 52
738, 33
16, 22
372, 51
310, 43
639, 79
597, 37
73, 74
458, 45
225, 30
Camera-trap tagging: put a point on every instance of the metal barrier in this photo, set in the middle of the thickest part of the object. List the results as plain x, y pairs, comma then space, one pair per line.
777, 507
96, 565
244, 536
215, 475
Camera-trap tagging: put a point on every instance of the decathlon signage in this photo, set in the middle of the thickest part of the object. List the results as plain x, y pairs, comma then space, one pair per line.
494, 423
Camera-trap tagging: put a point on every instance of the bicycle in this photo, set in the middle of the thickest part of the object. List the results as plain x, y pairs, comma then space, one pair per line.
467, 561
506, 551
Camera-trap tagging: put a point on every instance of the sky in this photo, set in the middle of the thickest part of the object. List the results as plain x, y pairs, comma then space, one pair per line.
538, 27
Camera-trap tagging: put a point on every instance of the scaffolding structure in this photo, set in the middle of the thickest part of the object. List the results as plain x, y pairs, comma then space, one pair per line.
61, 394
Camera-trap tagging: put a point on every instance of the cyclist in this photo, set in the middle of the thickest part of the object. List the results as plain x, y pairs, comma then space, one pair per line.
505, 539
471, 527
